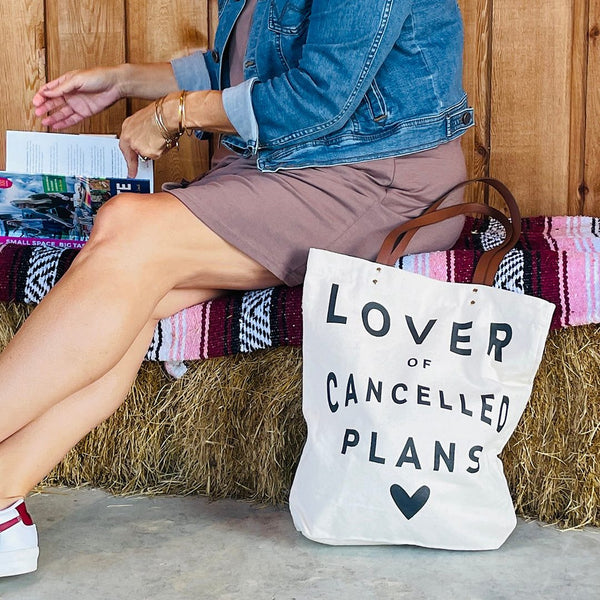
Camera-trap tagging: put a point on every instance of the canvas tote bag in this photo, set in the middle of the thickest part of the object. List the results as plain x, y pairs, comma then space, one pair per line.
411, 389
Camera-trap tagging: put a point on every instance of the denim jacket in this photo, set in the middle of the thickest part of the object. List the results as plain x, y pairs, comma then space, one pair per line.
330, 82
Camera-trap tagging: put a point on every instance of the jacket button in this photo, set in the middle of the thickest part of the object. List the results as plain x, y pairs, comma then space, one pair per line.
467, 119
215, 55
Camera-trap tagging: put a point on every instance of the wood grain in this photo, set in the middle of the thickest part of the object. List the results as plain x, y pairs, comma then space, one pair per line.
477, 16
213, 17
531, 102
82, 34
158, 30
579, 82
22, 65
591, 201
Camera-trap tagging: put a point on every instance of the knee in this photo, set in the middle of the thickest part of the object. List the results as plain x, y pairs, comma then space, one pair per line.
128, 243
120, 233
117, 218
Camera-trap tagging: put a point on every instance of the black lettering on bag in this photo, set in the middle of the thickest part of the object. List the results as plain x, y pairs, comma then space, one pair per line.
486, 408
401, 386
422, 393
372, 452
331, 316
351, 439
460, 339
331, 378
447, 458
385, 326
377, 392
409, 455
503, 413
495, 342
463, 406
419, 337
475, 458
442, 403
351, 391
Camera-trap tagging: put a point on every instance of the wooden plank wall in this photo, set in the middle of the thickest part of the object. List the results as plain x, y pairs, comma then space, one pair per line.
531, 71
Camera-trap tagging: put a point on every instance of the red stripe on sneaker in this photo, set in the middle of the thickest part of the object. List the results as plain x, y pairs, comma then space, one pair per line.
9, 524
25, 516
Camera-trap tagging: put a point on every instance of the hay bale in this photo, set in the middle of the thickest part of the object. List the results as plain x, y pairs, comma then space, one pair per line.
233, 427
552, 460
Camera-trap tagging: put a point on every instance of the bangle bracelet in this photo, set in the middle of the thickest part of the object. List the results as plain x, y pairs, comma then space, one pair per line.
181, 112
171, 137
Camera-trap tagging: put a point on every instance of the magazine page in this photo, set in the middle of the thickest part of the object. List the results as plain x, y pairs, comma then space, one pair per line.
69, 154
54, 209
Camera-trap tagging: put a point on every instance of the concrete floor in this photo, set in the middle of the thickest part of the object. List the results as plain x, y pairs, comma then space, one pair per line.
95, 546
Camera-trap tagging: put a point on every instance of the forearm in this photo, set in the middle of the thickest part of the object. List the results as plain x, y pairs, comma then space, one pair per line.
203, 110
147, 81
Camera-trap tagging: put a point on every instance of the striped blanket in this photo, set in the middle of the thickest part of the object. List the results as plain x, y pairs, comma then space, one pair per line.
557, 258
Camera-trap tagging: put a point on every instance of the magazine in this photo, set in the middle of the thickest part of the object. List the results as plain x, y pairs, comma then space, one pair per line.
81, 155
54, 209
55, 183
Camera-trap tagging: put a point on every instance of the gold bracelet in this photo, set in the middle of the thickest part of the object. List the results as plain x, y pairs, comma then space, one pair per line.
171, 137
181, 112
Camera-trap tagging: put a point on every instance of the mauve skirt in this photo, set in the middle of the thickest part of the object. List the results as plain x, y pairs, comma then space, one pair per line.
276, 217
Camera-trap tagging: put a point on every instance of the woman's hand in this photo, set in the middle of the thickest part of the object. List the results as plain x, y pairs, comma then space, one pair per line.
77, 95
141, 137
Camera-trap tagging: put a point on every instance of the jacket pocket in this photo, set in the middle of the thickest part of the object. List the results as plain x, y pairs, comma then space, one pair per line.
376, 102
289, 17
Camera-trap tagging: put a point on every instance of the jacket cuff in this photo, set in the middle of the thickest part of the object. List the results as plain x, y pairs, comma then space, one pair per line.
191, 72
237, 102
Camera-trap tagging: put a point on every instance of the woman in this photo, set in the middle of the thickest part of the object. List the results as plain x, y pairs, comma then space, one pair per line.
343, 119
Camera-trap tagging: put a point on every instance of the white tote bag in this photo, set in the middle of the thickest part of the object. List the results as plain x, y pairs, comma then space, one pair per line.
412, 387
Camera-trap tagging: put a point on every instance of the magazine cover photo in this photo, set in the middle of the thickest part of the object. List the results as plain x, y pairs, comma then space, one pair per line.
53, 209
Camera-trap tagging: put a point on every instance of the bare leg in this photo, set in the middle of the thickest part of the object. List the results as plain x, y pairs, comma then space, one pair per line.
89, 320
86, 340
31, 453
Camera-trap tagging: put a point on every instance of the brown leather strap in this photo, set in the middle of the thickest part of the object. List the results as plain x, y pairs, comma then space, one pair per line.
396, 242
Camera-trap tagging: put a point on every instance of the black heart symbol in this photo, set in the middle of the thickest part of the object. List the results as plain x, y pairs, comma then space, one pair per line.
410, 505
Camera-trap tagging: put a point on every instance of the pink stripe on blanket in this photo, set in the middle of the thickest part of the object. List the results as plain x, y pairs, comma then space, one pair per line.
205, 331
195, 331
175, 331
433, 265
438, 265
583, 276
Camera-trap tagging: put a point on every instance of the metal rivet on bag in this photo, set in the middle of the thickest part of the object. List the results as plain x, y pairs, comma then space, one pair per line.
475, 290
374, 280
472, 301
379, 269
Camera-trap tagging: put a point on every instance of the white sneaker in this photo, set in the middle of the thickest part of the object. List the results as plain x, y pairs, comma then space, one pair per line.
18, 541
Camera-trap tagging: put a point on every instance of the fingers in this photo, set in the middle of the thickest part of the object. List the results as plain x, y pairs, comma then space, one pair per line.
140, 137
62, 118
64, 84
43, 106
131, 158
50, 98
